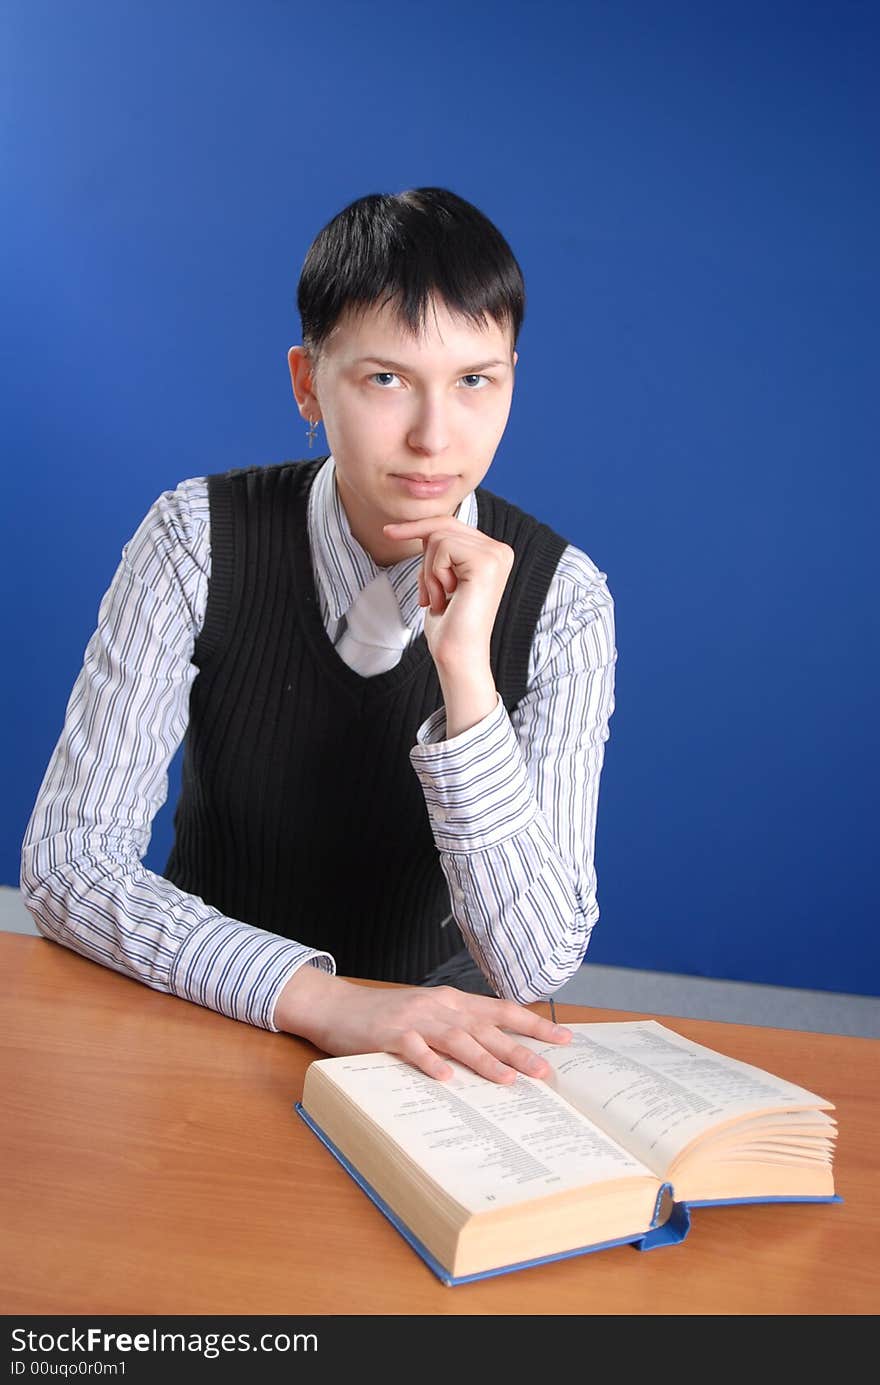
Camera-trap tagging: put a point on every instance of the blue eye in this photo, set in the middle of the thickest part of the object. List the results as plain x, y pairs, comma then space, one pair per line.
390, 375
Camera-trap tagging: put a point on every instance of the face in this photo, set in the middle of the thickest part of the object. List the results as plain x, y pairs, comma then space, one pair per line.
396, 407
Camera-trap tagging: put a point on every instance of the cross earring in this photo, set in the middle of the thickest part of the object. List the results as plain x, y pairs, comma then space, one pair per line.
313, 428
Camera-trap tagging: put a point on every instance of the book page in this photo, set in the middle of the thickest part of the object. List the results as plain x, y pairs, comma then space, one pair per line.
489, 1145
655, 1091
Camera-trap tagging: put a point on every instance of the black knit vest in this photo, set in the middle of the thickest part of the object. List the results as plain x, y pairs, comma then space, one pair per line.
300, 811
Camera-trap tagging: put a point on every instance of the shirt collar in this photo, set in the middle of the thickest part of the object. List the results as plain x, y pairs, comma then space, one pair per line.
343, 568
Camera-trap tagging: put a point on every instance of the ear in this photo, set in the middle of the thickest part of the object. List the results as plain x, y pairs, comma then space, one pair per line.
515, 357
302, 380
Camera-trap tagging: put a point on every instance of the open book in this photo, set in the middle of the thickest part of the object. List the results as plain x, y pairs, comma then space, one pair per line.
635, 1125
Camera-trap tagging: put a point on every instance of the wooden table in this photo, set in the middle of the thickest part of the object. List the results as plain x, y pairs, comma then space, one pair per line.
152, 1163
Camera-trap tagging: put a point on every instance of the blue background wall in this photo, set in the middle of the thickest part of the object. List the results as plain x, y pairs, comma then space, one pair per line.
692, 194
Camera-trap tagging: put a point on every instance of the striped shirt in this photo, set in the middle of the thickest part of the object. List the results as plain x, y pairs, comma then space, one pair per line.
518, 855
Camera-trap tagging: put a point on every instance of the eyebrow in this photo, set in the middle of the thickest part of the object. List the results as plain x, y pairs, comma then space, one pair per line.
396, 365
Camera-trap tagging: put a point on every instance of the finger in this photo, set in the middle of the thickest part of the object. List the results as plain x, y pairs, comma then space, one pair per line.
514, 1054
509, 1014
424, 584
435, 589
422, 528
426, 578
413, 1047
440, 564
461, 1045
443, 568
438, 594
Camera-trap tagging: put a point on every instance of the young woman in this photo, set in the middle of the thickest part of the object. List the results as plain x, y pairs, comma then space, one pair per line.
394, 688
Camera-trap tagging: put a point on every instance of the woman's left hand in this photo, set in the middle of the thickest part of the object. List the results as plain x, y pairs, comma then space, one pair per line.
461, 581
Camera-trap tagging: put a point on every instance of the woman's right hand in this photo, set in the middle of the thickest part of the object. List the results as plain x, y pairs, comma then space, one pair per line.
422, 1024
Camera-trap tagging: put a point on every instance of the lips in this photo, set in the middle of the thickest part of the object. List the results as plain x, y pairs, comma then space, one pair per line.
422, 487
417, 476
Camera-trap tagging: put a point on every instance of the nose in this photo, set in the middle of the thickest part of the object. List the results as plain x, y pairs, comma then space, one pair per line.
429, 430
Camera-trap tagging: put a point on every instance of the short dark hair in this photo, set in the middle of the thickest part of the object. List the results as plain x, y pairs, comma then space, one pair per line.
402, 249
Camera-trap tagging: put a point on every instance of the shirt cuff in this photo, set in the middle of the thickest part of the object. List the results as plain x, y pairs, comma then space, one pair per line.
240, 970
476, 786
